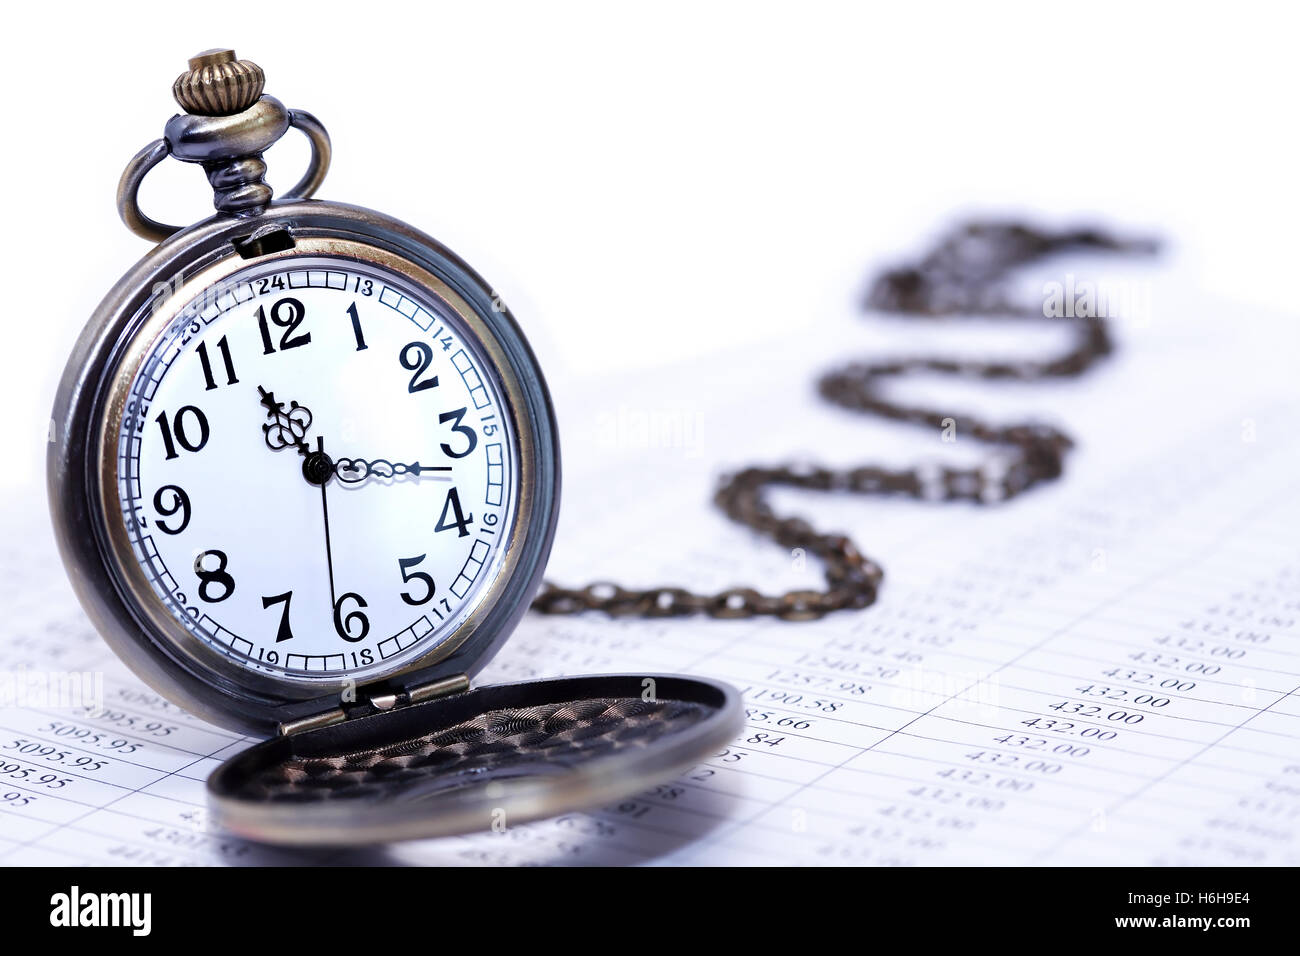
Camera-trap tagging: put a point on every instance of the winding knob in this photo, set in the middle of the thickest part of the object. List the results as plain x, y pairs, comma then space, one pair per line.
218, 84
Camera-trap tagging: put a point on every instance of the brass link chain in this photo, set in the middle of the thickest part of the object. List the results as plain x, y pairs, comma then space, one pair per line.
964, 275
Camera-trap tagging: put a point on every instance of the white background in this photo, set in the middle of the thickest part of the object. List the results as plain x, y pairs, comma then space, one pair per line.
666, 181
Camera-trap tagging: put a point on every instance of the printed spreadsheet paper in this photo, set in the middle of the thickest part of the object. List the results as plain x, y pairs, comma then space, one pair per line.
1102, 672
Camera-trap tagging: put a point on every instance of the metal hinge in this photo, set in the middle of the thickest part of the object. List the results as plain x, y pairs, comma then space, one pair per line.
370, 703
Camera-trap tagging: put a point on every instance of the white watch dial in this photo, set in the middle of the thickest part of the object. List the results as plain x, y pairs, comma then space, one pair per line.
317, 470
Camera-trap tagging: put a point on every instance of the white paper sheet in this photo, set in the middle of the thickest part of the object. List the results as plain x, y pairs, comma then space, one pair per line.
1103, 671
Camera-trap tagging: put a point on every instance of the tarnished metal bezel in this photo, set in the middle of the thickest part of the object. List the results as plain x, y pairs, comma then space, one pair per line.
89, 527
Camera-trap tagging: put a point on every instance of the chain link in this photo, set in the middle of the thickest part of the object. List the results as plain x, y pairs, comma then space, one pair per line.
964, 275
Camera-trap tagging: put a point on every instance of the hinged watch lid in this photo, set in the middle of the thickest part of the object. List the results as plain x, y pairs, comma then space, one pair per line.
476, 761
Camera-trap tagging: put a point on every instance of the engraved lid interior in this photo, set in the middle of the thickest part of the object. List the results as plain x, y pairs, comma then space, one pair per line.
476, 761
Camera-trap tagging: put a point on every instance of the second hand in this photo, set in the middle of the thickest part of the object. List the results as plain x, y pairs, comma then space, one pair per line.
325, 511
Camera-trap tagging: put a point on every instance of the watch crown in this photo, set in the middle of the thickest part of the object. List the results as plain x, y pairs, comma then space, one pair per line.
217, 84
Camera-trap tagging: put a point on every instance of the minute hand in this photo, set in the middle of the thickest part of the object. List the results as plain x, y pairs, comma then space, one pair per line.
353, 471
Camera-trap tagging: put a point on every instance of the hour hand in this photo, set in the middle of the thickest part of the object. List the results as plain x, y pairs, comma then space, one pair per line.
287, 425
353, 471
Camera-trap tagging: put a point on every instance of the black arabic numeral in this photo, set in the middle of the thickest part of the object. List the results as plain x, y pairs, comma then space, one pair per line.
462, 522
218, 576
403, 564
284, 633
343, 625
419, 365
224, 348
180, 501
356, 327
182, 434
465, 430
288, 314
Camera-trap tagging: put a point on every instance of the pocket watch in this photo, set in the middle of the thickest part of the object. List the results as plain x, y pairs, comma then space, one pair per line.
304, 476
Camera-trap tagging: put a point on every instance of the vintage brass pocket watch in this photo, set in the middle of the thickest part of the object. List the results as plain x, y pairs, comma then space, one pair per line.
304, 476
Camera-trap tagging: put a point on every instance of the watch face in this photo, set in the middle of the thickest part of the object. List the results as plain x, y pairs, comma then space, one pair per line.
316, 468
